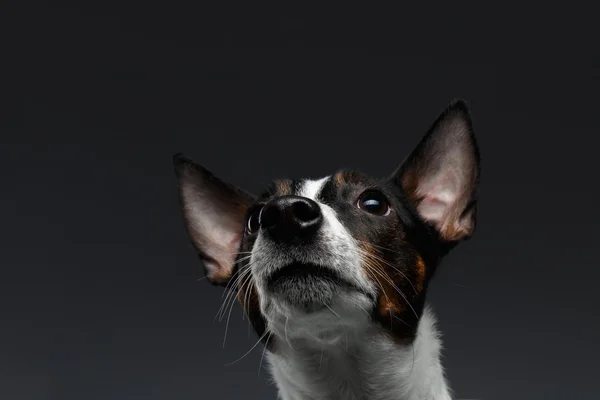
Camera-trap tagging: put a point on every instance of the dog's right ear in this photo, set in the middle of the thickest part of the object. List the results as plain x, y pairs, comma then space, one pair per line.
214, 214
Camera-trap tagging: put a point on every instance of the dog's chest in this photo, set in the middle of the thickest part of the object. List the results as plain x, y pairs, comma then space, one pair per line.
374, 368
373, 371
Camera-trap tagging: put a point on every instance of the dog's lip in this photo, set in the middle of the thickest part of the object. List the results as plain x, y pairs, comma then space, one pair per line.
298, 269
301, 269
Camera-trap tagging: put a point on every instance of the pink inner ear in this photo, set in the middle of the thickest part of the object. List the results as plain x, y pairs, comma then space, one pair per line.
215, 224
432, 209
222, 253
439, 196
440, 176
218, 234
443, 199
446, 220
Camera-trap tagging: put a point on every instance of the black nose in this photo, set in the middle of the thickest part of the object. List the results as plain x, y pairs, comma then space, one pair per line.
290, 218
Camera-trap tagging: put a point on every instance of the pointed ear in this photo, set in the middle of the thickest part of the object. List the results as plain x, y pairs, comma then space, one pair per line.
214, 213
441, 175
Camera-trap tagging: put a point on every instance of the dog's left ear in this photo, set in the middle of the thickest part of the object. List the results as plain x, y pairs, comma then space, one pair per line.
441, 175
214, 214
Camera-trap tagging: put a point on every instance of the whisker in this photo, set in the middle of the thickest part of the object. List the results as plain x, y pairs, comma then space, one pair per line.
234, 282
242, 259
231, 297
391, 282
245, 270
368, 269
377, 258
246, 287
321, 358
381, 247
252, 348
239, 271
231, 294
287, 317
398, 291
412, 367
356, 303
231, 254
246, 304
343, 322
231, 309
263, 355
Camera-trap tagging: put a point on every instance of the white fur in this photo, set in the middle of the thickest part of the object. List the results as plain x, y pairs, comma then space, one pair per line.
339, 352
312, 188
371, 367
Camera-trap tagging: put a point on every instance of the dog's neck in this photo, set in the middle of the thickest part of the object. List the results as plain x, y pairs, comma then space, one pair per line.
371, 367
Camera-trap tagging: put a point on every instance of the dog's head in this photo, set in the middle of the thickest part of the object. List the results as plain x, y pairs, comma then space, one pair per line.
346, 245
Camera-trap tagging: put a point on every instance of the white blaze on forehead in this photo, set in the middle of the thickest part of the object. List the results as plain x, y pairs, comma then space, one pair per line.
312, 188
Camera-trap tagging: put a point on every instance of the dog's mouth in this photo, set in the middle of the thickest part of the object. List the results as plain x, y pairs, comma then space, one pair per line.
306, 286
309, 279
303, 273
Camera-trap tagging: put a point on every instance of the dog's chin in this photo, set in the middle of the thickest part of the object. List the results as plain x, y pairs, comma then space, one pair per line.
305, 287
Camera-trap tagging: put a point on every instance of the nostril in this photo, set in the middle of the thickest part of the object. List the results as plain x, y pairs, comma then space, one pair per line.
269, 217
305, 211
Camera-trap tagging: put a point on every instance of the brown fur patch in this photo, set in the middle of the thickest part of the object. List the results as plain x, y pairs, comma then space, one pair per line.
340, 178
283, 188
410, 184
345, 177
397, 292
458, 228
420, 273
380, 275
221, 276
386, 305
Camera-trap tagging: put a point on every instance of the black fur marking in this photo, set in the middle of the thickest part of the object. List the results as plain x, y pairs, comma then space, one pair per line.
392, 246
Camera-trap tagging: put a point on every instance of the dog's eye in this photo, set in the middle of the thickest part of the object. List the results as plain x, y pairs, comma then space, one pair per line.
375, 203
253, 224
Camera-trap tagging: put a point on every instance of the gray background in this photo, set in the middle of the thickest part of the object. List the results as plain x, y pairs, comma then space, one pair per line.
100, 290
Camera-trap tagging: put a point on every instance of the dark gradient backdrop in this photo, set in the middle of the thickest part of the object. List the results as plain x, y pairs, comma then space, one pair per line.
100, 291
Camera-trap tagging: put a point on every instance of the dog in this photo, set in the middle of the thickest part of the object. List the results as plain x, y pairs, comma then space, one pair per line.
332, 273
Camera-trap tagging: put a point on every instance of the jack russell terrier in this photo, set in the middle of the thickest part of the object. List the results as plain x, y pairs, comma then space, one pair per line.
333, 273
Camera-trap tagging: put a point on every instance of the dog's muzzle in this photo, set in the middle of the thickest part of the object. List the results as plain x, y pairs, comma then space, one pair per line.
303, 257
